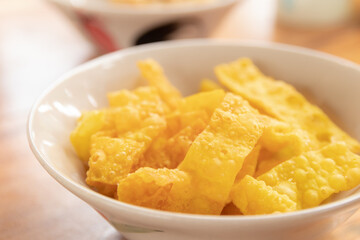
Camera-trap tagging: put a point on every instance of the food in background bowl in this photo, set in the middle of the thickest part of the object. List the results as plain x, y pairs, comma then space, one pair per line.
112, 25
262, 147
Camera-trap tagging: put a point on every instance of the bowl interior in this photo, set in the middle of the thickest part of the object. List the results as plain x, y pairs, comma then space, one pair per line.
331, 83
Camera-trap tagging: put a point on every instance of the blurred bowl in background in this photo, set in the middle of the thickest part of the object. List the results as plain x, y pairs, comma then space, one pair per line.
112, 26
314, 14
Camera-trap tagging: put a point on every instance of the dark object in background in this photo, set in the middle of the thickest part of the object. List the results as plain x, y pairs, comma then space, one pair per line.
170, 31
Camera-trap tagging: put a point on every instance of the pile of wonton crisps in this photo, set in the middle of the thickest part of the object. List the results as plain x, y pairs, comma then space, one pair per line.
258, 148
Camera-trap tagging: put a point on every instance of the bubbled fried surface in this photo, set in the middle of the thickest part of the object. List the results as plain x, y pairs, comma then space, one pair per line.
88, 124
163, 189
183, 126
142, 97
111, 159
204, 101
154, 74
311, 178
254, 197
170, 151
302, 182
280, 142
250, 164
203, 154
281, 101
218, 153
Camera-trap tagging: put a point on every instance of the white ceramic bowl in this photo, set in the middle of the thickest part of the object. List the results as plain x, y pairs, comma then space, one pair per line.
115, 26
334, 84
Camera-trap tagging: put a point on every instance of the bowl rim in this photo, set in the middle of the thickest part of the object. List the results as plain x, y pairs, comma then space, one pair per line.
147, 214
107, 8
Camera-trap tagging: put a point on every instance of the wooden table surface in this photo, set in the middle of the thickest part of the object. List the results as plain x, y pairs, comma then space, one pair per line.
37, 44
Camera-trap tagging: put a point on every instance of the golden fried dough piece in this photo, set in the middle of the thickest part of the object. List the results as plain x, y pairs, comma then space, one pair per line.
154, 74
146, 97
146, 103
136, 105
311, 178
281, 141
218, 153
162, 151
105, 189
111, 159
250, 163
88, 124
169, 152
207, 101
281, 101
178, 145
306, 180
163, 189
208, 85
253, 197
183, 126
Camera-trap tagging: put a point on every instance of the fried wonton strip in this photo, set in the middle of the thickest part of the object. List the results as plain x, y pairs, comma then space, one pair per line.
207, 101
163, 189
281, 101
88, 124
154, 74
208, 85
169, 152
250, 163
178, 145
280, 142
311, 178
306, 180
182, 126
128, 115
141, 95
218, 153
253, 197
135, 105
111, 159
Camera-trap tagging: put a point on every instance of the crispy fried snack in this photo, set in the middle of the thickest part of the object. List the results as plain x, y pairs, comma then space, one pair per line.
111, 159
281, 141
88, 124
218, 153
142, 97
307, 180
163, 189
253, 197
136, 105
212, 163
208, 85
250, 163
183, 126
154, 74
212, 152
281, 101
207, 101
170, 151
